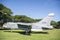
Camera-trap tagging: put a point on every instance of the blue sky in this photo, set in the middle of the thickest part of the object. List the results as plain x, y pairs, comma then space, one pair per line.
34, 8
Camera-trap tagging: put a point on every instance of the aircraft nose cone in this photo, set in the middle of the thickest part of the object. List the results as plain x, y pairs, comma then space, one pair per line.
5, 25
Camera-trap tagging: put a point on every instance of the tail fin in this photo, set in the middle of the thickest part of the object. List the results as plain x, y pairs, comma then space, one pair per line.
47, 20
45, 23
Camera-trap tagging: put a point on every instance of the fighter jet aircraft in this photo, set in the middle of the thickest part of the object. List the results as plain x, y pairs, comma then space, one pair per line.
38, 26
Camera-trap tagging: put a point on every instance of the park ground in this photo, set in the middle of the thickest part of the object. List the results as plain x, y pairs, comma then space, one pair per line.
18, 35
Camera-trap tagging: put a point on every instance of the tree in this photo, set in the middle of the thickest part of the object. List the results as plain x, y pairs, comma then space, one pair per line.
58, 25
54, 24
5, 14
23, 18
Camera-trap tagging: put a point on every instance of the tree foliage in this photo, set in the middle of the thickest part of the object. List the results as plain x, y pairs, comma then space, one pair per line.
5, 14
23, 18
54, 24
58, 25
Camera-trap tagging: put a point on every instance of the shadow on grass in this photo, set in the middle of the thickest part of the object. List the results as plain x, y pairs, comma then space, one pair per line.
40, 33
20, 32
23, 32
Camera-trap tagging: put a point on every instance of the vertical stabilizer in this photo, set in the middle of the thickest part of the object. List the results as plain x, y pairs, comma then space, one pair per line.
47, 20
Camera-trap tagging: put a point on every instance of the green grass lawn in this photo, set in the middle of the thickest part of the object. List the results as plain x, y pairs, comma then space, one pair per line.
44, 35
